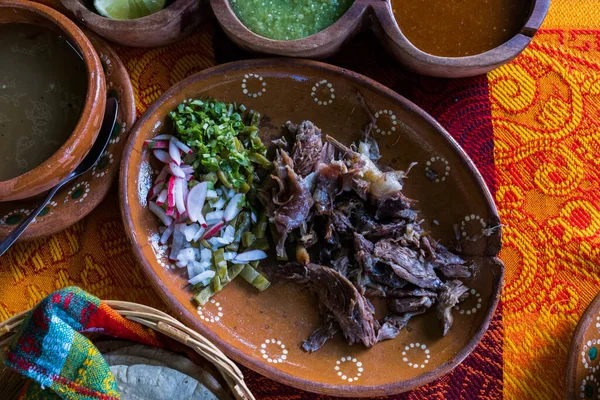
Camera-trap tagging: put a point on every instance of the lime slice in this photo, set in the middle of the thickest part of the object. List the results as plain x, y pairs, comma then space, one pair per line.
128, 9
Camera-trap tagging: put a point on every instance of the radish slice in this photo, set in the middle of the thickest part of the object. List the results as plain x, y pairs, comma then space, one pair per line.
162, 137
181, 145
162, 197
179, 202
252, 255
202, 277
234, 207
167, 234
213, 230
160, 213
162, 156
171, 211
156, 144
174, 152
195, 202
176, 170
156, 189
188, 169
162, 176
214, 217
171, 192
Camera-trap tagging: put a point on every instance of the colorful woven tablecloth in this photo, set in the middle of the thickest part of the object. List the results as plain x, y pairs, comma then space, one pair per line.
533, 129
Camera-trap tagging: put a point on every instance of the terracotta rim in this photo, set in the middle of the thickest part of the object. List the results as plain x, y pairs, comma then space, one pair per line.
42, 178
578, 337
297, 47
256, 365
99, 188
321, 43
147, 23
492, 57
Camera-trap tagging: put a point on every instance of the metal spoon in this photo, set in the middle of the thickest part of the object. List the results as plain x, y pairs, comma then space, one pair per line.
108, 124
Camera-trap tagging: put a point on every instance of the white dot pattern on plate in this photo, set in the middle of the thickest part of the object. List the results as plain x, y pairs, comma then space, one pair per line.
321, 99
274, 351
211, 311
416, 355
470, 219
590, 379
23, 211
78, 192
588, 347
477, 305
349, 372
443, 164
100, 168
378, 124
253, 79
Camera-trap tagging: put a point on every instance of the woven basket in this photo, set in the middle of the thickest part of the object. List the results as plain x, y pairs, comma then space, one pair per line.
153, 319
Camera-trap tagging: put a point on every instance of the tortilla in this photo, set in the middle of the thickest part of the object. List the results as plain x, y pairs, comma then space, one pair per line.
170, 360
150, 382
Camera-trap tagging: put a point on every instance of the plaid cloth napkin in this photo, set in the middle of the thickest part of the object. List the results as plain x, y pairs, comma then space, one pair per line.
63, 363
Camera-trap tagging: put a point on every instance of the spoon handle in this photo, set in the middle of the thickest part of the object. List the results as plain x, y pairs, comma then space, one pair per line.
14, 235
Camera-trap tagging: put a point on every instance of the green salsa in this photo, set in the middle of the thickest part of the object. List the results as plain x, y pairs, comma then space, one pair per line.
289, 19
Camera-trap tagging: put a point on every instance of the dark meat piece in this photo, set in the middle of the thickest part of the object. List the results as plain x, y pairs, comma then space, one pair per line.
293, 198
409, 215
448, 263
393, 324
392, 206
339, 300
409, 304
281, 144
406, 264
373, 289
372, 269
451, 293
307, 147
376, 230
417, 292
341, 222
341, 264
319, 336
385, 275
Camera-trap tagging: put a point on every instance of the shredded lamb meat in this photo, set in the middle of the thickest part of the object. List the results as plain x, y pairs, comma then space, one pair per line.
355, 234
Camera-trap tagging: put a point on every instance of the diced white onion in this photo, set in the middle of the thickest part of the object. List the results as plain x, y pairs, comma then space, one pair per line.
160, 213
211, 194
252, 255
206, 275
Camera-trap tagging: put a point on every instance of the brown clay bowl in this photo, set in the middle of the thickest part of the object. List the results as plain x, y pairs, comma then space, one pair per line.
167, 26
378, 15
255, 328
70, 154
583, 368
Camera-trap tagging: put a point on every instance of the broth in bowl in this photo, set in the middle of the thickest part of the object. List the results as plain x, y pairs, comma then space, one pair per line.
43, 85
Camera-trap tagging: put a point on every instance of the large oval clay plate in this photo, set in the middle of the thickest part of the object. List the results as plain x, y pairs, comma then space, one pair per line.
79, 198
583, 369
264, 330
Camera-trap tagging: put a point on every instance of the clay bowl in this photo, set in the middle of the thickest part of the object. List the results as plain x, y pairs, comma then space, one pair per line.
378, 16
167, 26
583, 369
70, 154
263, 331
